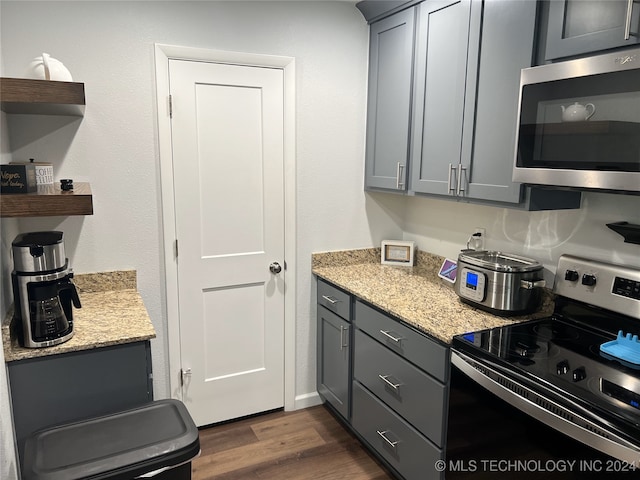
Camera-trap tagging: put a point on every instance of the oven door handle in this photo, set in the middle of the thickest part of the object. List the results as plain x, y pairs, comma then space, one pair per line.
614, 446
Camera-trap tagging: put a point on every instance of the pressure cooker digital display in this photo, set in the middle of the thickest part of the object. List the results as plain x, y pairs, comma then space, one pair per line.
473, 285
472, 280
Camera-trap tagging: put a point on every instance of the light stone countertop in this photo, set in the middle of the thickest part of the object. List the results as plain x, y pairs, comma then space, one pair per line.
415, 295
112, 313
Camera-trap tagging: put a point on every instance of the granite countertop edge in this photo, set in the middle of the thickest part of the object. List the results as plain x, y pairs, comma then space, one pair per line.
112, 313
415, 295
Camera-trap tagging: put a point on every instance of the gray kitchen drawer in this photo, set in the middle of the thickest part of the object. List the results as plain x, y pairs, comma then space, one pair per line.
411, 454
409, 391
414, 346
334, 299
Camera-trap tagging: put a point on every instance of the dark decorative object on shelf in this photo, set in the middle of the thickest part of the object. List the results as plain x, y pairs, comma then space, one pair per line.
629, 231
66, 184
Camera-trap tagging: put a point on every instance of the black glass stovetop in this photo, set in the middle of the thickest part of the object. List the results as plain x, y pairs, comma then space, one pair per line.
562, 353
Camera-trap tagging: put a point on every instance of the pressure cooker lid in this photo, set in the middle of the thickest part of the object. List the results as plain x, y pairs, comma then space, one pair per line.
500, 261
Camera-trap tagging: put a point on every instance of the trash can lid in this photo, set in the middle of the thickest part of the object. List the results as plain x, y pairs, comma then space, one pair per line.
122, 445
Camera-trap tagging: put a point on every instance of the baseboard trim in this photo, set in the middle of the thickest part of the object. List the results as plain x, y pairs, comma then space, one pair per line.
307, 400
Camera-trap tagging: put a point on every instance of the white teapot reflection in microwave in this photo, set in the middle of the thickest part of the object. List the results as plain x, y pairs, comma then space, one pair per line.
577, 112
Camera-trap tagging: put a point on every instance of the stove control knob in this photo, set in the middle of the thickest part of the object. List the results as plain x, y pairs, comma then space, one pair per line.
579, 374
571, 276
588, 279
562, 367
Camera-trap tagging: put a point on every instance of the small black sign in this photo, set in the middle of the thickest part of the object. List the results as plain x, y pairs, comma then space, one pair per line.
18, 179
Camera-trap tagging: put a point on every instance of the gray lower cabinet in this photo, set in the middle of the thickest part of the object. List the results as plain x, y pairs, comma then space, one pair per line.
51, 390
579, 27
389, 101
334, 348
400, 392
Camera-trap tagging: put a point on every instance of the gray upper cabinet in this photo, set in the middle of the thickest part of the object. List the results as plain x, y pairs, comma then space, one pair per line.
389, 103
469, 59
441, 53
454, 107
576, 27
492, 92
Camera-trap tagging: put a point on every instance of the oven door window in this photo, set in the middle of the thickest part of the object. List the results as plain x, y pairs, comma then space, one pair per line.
583, 123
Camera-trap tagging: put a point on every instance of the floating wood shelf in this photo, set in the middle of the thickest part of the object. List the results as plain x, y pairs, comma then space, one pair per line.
48, 201
43, 97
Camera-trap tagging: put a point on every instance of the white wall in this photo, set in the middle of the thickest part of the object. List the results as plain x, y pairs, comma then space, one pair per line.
109, 47
443, 227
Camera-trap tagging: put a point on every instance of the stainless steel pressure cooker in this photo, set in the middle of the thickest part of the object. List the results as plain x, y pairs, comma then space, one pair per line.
501, 283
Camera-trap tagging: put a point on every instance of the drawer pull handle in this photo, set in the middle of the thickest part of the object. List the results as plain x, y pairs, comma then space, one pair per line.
331, 300
391, 337
383, 434
385, 379
343, 343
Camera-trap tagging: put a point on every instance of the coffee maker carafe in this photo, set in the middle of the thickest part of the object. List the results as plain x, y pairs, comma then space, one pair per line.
43, 290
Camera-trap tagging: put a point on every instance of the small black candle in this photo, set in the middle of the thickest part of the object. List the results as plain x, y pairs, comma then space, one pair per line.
66, 184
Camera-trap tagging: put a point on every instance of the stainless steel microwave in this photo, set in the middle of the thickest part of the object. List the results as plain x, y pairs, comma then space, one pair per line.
579, 124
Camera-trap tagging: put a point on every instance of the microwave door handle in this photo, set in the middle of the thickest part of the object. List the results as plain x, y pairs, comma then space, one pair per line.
627, 23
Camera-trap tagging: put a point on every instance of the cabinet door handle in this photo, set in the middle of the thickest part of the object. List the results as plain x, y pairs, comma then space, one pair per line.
385, 379
460, 188
399, 176
627, 23
383, 434
450, 187
343, 343
387, 334
330, 299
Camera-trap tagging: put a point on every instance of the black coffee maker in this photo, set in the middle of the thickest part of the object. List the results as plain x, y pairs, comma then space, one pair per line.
43, 290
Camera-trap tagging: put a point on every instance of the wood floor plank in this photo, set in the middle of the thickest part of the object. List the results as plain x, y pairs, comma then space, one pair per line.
272, 428
213, 441
334, 462
258, 452
308, 444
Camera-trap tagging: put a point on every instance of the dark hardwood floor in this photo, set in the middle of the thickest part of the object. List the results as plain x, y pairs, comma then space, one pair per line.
306, 444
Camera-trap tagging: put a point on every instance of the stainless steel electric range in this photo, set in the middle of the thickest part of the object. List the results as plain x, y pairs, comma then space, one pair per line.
557, 397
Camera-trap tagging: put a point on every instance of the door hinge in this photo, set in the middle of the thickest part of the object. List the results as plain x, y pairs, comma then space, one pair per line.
184, 373
170, 106
175, 247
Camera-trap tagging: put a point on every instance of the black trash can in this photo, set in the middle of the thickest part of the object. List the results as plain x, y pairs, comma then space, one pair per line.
158, 439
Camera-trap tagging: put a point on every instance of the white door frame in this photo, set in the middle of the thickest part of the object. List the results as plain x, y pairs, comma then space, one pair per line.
164, 53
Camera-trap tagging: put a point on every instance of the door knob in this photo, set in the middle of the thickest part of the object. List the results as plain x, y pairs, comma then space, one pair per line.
275, 267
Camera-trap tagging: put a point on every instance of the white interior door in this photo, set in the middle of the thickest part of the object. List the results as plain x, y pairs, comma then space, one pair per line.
227, 134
